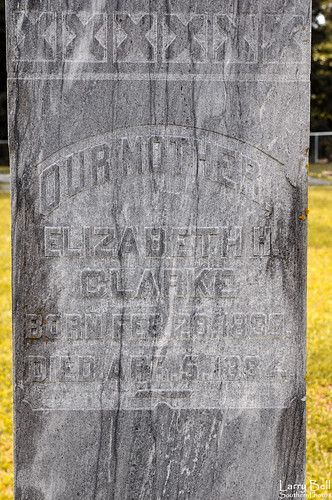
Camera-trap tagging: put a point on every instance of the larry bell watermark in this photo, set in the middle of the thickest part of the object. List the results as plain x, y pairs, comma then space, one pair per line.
315, 490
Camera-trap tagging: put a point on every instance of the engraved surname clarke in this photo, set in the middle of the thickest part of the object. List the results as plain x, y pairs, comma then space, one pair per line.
140, 283
177, 159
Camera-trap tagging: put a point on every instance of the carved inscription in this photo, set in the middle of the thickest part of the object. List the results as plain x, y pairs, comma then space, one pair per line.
141, 370
61, 369
156, 297
176, 161
199, 379
209, 283
136, 327
217, 243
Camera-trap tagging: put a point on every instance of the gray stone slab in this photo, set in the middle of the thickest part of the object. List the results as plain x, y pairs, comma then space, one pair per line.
158, 156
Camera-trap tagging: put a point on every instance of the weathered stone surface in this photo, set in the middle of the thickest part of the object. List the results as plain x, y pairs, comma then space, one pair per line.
158, 154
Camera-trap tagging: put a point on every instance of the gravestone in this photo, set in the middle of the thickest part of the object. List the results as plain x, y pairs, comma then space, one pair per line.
158, 157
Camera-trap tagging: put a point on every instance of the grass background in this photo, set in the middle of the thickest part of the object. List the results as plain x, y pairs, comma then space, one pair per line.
6, 449
319, 415
319, 382
321, 171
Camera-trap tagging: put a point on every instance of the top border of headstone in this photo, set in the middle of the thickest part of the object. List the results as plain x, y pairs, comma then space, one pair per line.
221, 40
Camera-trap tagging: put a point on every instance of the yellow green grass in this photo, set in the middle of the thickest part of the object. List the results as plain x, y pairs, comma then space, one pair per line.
319, 434
319, 419
6, 448
321, 171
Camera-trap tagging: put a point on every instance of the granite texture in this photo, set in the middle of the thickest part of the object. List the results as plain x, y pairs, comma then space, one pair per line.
158, 162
